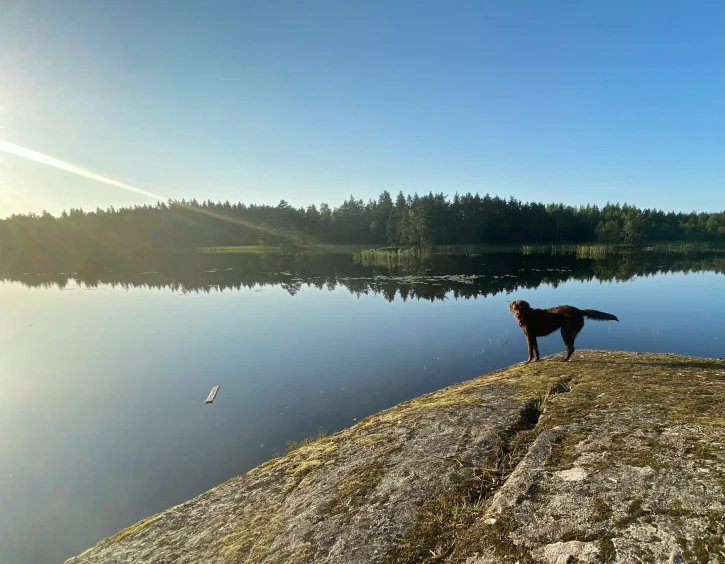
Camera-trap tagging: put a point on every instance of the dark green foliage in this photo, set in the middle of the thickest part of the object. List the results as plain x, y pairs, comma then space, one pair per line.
418, 221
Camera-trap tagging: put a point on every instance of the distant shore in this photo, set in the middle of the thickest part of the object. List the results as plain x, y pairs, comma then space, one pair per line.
679, 247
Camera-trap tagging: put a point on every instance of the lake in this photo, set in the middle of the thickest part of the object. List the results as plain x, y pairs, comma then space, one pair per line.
106, 364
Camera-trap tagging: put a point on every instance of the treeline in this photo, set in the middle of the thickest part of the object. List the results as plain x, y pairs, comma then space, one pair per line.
431, 219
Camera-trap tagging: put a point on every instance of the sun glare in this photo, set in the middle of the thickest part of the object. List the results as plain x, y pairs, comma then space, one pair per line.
42, 158
24, 152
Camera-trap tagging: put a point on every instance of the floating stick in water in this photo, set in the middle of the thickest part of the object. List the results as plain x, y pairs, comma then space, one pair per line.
212, 394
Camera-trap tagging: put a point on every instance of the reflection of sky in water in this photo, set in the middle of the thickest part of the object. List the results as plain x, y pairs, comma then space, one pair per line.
102, 392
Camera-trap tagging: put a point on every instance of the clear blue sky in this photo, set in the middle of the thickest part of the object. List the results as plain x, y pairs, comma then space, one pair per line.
572, 101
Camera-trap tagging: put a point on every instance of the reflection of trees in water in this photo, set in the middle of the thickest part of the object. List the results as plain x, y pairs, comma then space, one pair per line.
429, 278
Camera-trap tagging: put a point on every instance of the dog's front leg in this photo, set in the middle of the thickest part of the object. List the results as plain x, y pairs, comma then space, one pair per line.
534, 348
531, 342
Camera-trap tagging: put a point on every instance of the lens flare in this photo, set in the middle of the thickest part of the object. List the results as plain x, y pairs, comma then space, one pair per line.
38, 157
24, 152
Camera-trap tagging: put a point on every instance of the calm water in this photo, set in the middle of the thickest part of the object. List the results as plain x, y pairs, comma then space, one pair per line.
103, 373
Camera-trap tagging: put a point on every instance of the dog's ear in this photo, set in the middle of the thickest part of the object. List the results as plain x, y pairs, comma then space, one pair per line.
512, 305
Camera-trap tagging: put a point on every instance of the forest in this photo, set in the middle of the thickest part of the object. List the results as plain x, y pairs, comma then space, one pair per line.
403, 221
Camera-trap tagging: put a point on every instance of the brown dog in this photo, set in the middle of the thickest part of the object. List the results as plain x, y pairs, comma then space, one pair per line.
542, 322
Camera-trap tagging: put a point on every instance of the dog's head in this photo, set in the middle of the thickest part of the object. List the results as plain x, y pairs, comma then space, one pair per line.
519, 308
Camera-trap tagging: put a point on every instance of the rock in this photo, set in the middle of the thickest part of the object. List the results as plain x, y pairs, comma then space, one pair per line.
624, 464
568, 552
575, 474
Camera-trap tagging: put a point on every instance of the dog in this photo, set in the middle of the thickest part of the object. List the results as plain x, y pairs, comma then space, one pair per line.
541, 322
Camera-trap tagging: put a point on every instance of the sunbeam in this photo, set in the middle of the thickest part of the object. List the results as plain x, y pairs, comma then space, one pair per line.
24, 152
38, 157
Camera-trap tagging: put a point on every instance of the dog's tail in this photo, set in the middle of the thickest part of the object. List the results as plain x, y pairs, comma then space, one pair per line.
599, 315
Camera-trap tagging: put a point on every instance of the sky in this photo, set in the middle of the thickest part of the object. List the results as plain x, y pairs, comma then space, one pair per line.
557, 101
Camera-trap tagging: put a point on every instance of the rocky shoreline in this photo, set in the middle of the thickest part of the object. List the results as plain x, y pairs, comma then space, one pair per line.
612, 457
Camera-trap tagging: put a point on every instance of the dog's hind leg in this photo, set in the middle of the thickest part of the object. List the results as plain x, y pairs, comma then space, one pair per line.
569, 349
568, 334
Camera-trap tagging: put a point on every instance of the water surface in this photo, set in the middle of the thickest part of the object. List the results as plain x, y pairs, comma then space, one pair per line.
104, 372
